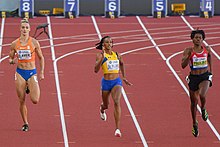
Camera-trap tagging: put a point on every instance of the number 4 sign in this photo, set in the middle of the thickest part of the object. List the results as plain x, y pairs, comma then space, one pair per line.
206, 7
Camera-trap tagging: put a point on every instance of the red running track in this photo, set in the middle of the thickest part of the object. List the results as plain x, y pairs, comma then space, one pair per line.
159, 102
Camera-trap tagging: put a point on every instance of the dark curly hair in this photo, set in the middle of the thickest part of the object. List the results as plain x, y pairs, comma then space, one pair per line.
99, 45
194, 32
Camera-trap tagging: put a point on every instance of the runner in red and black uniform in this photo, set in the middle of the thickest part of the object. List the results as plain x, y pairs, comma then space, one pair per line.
199, 80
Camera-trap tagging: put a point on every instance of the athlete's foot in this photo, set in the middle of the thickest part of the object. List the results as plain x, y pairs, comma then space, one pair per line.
103, 115
117, 133
205, 115
25, 127
195, 130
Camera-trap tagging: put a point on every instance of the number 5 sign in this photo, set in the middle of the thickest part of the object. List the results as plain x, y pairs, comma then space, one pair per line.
159, 6
71, 7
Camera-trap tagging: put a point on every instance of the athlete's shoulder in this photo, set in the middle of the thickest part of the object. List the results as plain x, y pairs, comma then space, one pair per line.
99, 55
35, 42
13, 44
207, 48
189, 48
15, 41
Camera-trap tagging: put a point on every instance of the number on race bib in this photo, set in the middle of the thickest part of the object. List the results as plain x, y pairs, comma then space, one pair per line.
24, 54
113, 65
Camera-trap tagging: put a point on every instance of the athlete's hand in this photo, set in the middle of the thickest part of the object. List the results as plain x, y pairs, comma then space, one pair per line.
41, 76
189, 52
11, 61
127, 82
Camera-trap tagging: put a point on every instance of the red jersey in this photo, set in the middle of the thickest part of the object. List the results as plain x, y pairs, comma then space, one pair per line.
199, 60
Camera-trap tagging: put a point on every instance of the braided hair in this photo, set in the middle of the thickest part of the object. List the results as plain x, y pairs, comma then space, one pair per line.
194, 32
99, 45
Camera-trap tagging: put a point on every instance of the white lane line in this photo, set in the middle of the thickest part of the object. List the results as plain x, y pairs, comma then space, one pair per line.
184, 87
186, 90
151, 39
1, 36
125, 96
120, 43
188, 24
65, 137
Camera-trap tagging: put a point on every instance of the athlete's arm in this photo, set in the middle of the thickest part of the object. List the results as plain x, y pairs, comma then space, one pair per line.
12, 53
122, 68
39, 53
209, 58
98, 63
186, 57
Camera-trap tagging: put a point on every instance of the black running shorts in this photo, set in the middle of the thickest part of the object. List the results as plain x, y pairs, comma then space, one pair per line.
195, 80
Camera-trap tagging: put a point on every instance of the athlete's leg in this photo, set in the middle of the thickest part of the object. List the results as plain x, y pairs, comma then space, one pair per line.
34, 89
116, 95
105, 100
194, 102
20, 88
203, 86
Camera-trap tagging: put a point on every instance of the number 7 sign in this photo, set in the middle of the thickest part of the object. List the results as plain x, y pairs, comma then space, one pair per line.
71, 7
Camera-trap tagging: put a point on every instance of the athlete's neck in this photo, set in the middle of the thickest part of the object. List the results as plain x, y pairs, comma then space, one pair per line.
24, 38
108, 51
197, 48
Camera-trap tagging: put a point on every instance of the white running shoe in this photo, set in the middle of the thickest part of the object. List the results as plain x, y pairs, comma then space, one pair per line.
103, 115
117, 133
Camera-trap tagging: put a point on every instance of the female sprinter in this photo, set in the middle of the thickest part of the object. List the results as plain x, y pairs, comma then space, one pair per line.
111, 62
200, 78
24, 50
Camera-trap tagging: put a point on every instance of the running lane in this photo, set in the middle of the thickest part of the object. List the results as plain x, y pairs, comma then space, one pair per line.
174, 37
42, 115
80, 86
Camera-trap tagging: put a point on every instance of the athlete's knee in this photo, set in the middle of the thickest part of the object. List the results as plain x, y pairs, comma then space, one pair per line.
35, 100
104, 106
117, 102
194, 103
21, 101
202, 96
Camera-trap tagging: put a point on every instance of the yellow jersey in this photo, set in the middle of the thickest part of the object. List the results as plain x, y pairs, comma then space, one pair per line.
110, 64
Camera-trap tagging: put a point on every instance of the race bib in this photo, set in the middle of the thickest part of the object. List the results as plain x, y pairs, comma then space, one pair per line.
200, 62
24, 54
113, 65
